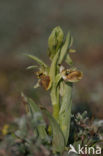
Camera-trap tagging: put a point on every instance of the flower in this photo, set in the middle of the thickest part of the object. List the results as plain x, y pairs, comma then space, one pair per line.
44, 80
71, 75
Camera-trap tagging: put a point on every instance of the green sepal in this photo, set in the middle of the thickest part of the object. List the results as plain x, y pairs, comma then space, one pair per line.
39, 61
31, 67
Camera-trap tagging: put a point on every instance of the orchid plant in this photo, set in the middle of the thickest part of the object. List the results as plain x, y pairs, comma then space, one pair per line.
59, 78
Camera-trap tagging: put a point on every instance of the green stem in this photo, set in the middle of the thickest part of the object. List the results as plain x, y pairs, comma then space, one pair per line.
55, 102
54, 89
65, 110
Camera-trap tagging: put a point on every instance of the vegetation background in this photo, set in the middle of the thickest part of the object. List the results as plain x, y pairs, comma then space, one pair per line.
25, 27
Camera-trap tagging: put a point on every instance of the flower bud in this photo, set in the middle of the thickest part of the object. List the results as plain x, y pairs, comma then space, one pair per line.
55, 41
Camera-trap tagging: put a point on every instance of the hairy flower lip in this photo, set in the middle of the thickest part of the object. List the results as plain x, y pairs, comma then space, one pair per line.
44, 80
72, 75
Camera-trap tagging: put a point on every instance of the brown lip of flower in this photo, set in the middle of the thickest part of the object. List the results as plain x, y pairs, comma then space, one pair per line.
44, 80
72, 76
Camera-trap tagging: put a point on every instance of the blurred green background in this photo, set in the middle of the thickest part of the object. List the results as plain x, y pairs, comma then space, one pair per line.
25, 27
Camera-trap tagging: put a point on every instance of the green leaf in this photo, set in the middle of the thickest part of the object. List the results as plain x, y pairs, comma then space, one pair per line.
65, 110
53, 67
58, 78
64, 48
62, 92
33, 109
40, 62
58, 138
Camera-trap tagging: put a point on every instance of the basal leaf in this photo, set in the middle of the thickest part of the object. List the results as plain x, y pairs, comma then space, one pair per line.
58, 138
33, 109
